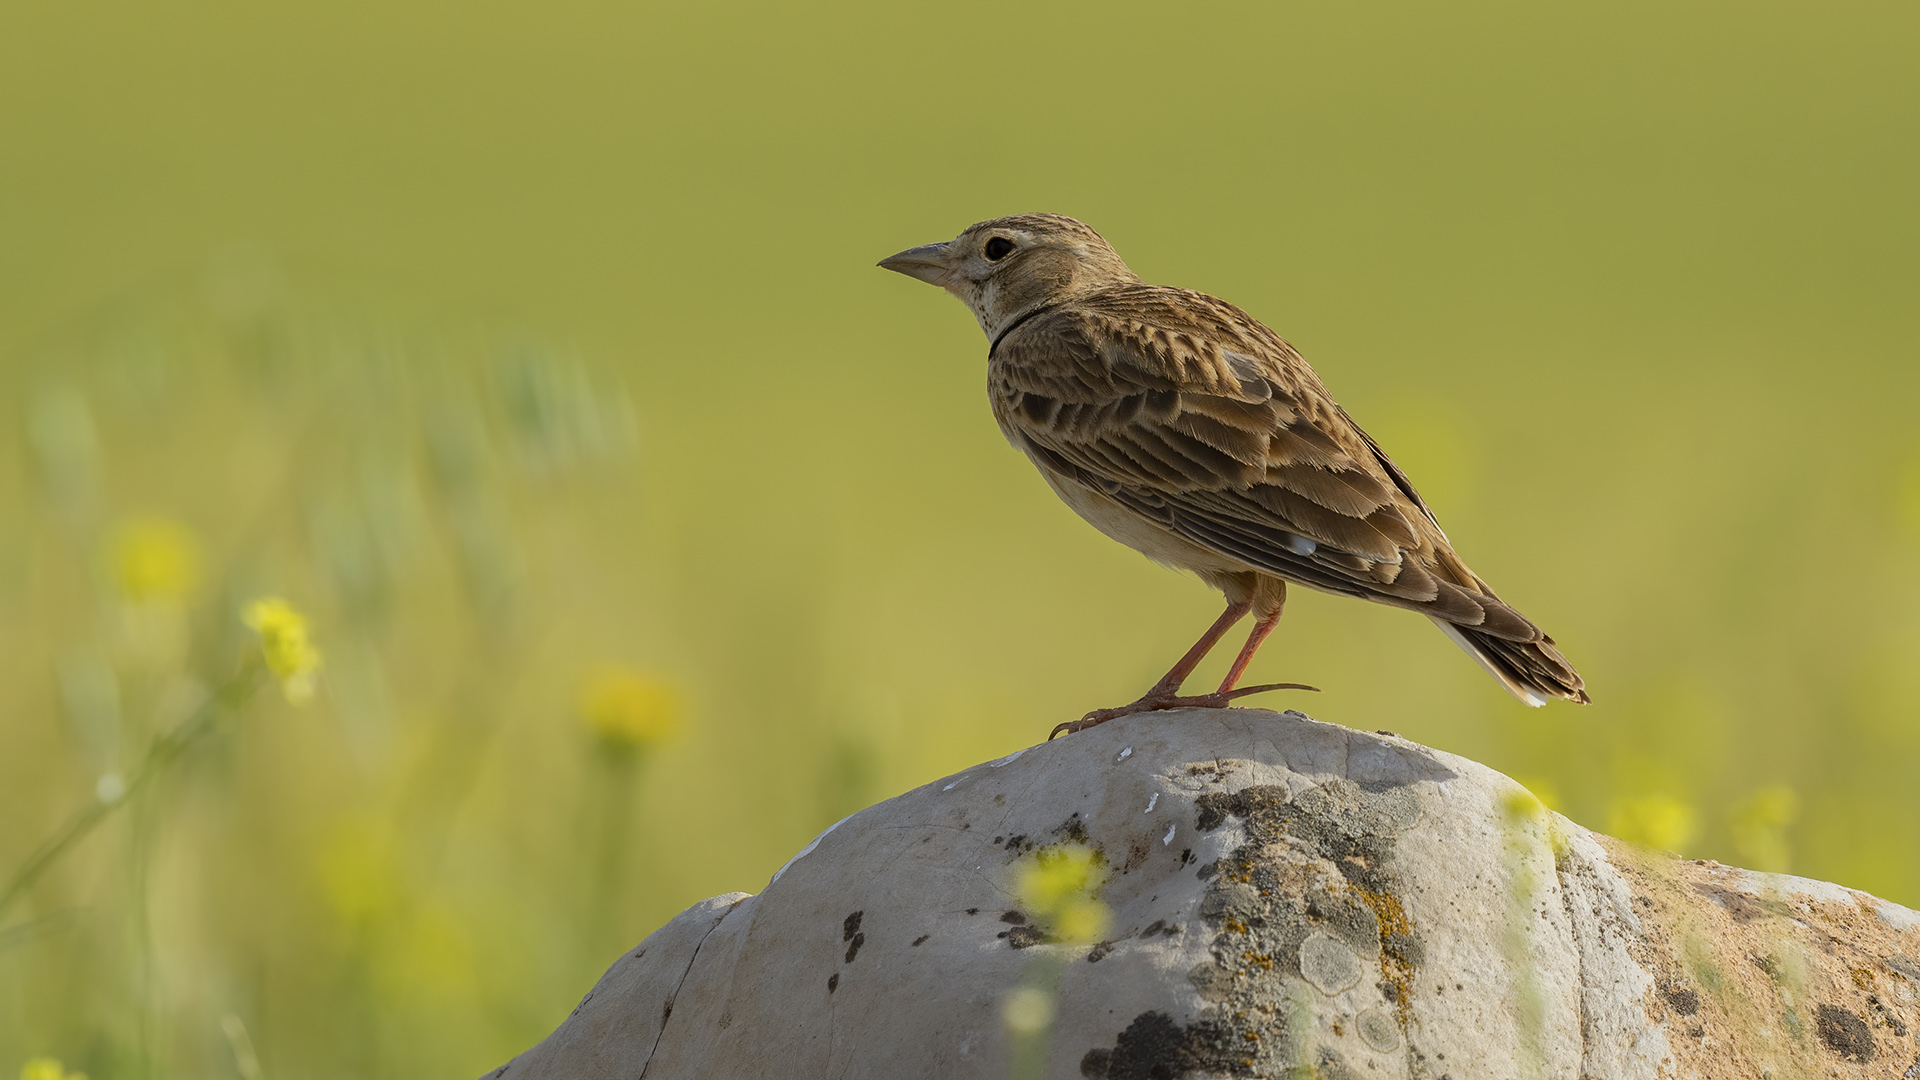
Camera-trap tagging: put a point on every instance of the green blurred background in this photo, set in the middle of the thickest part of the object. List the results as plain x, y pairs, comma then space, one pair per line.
537, 354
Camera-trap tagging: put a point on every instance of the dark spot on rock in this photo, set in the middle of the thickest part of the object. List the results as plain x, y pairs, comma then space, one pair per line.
1388, 734
1685, 1002
1766, 964
1887, 1018
666, 1010
1388, 991
1742, 907
1099, 952
1170, 931
639, 954
973, 911
1845, 1033
851, 925
1213, 809
1013, 917
998, 839
1206, 872
1072, 830
1018, 843
1024, 937
833, 982
1153, 1047
1698, 1032
1904, 966
1186, 856
921, 938
853, 947
1154, 927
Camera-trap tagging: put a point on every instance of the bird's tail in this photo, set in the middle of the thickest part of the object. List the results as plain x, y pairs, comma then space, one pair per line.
1533, 671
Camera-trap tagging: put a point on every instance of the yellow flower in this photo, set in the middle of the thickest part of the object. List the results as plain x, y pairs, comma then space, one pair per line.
47, 1069
1658, 821
629, 710
284, 646
1542, 789
1028, 1011
155, 561
1521, 805
1061, 886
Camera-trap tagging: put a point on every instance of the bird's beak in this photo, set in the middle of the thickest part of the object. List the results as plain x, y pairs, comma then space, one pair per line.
931, 263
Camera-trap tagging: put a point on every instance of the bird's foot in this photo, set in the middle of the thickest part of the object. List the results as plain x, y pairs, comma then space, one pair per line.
1158, 699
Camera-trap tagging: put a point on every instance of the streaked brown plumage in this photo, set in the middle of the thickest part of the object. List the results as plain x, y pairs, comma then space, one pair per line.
1181, 426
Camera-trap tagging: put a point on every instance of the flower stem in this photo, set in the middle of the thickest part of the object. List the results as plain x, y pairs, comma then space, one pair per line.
162, 752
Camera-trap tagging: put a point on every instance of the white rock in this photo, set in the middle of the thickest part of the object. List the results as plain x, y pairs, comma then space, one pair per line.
1343, 904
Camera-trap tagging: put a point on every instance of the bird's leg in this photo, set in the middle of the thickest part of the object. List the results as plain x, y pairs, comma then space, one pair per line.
1169, 684
1261, 628
1166, 693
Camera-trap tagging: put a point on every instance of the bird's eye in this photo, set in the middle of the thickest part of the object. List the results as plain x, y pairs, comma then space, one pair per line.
998, 247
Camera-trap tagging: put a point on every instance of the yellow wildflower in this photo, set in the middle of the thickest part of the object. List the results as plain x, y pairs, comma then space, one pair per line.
1521, 806
630, 710
1061, 886
155, 561
1542, 789
47, 1069
284, 646
1658, 821
1028, 1011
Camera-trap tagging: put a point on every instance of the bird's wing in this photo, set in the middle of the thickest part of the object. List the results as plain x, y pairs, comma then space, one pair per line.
1193, 415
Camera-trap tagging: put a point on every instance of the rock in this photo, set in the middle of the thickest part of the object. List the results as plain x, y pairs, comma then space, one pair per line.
1289, 899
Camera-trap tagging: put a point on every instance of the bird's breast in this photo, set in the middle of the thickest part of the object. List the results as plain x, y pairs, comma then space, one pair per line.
1129, 528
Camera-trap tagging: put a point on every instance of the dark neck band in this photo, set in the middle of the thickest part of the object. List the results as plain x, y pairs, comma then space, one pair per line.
1015, 325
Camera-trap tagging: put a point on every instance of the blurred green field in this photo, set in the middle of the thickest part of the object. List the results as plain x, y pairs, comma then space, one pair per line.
536, 353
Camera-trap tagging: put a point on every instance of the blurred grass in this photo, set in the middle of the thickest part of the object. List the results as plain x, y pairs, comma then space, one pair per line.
512, 343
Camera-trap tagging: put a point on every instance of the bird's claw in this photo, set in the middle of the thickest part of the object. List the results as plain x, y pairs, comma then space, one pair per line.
1156, 701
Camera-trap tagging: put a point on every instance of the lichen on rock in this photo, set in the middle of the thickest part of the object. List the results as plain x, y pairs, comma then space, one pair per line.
1279, 898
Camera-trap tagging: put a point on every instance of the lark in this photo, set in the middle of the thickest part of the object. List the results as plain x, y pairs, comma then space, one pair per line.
1182, 427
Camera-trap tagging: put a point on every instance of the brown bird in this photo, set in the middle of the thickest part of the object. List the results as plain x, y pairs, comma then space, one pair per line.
1182, 427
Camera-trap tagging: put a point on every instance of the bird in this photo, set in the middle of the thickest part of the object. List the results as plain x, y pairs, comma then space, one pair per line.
1184, 428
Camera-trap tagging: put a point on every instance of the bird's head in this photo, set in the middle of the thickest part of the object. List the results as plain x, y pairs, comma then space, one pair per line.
1004, 268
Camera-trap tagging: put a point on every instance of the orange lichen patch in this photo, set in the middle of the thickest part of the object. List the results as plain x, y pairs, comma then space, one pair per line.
1756, 977
1396, 933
